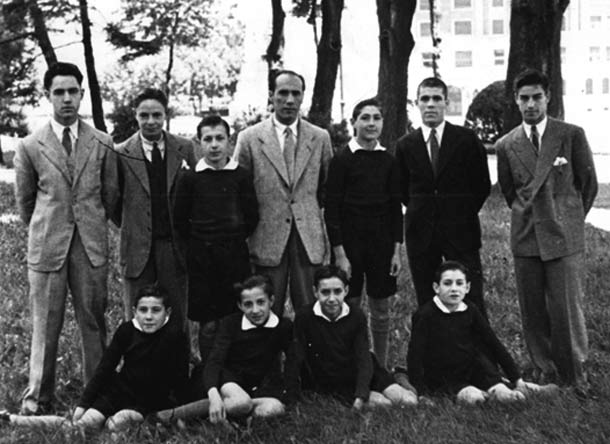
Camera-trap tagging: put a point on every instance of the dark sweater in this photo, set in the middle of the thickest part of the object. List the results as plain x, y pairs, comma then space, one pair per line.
155, 365
444, 347
365, 184
331, 355
247, 354
216, 204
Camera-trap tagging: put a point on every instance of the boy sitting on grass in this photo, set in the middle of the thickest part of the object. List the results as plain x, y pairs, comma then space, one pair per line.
446, 348
154, 372
331, 354
240, 376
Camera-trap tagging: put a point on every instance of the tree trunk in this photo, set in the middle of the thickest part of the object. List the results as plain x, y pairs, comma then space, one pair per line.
94, 87
395, 45
273, 55
329, 55
41, 34
535, 35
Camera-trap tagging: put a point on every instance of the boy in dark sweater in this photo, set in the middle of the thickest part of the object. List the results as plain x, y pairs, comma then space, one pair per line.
331, 354
154, 374
364, 219
216, 210
240, 375
446, 349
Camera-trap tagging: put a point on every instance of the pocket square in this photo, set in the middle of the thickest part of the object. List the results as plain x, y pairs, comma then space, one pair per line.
559, 161
185, 166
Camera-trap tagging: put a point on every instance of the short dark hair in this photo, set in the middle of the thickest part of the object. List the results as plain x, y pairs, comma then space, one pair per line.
213, 120
364, 103
151, 94
154, 291
261, 281
287, 72
327, 272
450, 265
61, 69
530, 77
433, 82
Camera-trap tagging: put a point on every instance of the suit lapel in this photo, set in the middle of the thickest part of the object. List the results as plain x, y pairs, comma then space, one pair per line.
83, 148
271, 148
524, 150
448, 147
54, 151
551, 143
136, 161
304, 151
173, 153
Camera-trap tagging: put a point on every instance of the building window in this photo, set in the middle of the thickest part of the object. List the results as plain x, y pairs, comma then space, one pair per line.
564, 26
497, 3
589, 86
498, 57
563, 54
463, 59
608, 53
427, 58
596, 21
605, 85
462, 3
497, 26
594, 54
424, 29
424, 5
454, 94
463, 27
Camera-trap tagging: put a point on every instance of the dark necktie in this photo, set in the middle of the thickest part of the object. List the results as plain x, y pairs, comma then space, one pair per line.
66, 141
434, 150
289, 148
156, 159
535, 140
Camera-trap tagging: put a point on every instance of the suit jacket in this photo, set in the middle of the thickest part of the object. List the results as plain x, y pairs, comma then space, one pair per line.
280, 204
449, 202
133, 212
55, 194
549, 202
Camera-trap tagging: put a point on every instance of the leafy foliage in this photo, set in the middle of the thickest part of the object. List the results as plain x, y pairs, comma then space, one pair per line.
485, 114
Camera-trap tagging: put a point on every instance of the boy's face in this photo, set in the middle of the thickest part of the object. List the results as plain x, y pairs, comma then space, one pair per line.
65, 95
368, 124
255, 304
150, 115
331, 293
151, 313
452, 288
532, 101
432, 104
215, 145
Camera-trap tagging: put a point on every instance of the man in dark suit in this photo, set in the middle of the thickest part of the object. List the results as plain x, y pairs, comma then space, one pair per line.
445, 181
65, 187
288, 158
149, 164
546, 172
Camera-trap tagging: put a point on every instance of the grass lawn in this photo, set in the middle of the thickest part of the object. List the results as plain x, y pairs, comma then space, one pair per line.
568, 418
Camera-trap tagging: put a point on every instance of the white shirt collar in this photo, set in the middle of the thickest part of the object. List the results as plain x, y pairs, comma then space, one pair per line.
272, 321
540, 127
58, 129
439, 132
147, 146
137, 325
355, 146
317, 310
203, 165
280, 128
461, 306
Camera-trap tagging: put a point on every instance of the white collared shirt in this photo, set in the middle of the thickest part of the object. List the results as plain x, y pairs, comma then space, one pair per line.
355, 146
147, 147
280, 129
272, 321
58, 129
137, 325
203, 165
439, 135
540, 127
317, 310
461, 306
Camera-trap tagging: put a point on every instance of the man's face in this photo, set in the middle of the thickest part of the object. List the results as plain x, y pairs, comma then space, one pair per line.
150, 313
215, 145
331, 293
150, 115
65, 95
432, 104
532, 101
255, 304
452, 288
368, 124
287, 98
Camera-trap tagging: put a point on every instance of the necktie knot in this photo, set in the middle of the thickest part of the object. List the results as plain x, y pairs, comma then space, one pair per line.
66, 140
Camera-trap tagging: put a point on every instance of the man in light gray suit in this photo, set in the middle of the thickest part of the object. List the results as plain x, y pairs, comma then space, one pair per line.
546, 172
65, 187
288, 158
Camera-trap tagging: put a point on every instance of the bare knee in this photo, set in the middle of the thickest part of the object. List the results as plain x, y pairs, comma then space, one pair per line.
268, 407
123, 419
377, 399
400, 396
237, 402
